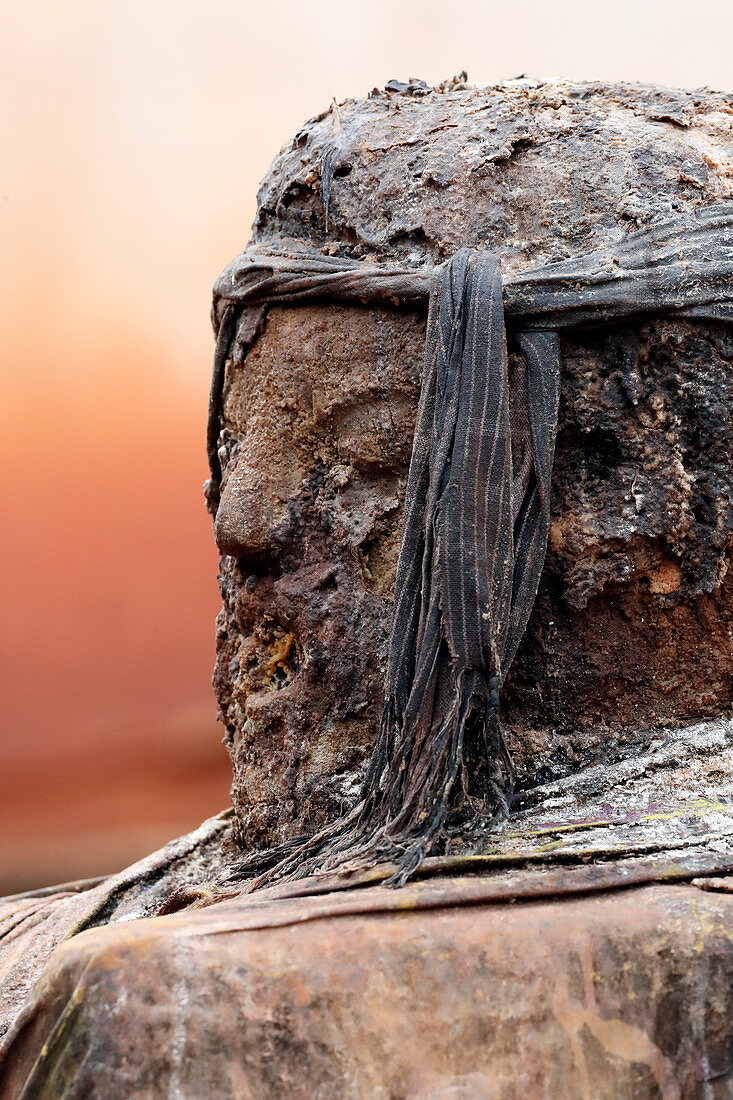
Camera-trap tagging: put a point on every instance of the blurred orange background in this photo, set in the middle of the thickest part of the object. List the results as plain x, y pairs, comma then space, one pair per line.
133, 138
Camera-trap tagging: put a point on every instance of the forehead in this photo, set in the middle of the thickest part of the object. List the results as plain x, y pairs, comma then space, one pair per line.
332, 351
325, 374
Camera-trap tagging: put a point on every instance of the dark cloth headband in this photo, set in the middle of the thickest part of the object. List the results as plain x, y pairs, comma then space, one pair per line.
476, 512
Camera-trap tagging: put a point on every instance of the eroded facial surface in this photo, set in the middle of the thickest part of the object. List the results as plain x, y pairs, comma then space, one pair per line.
320, 417
632, 623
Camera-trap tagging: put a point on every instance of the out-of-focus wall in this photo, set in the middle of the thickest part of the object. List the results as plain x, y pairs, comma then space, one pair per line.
133, 135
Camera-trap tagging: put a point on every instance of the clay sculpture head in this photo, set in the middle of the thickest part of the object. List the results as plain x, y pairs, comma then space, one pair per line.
631, 628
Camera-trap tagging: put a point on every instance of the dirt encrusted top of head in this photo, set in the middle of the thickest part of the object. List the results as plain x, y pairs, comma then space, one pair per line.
535, 171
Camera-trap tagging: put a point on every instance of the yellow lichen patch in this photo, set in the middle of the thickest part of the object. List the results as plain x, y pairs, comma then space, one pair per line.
279, 651
557, 536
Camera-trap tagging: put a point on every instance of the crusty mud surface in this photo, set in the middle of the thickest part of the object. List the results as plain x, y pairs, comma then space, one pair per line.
632, 626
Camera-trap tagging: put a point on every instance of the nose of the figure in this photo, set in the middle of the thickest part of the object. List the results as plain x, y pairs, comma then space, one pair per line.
253, 519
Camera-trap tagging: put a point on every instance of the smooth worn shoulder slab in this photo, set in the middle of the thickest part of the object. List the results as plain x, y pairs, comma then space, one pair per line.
437, 990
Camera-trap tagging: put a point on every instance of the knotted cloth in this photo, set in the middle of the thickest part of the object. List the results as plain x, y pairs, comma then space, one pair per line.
476, 512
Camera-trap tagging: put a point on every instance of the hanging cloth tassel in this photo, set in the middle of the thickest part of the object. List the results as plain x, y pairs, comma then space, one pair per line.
475, 527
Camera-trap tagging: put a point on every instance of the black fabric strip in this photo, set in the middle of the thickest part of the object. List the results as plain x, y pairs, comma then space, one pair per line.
473, 544
685, 265
476, 512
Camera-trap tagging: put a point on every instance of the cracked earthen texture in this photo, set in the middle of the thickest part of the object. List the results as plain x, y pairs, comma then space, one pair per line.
632, 626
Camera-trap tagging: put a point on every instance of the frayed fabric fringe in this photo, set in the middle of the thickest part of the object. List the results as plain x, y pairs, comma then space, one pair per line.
473, 541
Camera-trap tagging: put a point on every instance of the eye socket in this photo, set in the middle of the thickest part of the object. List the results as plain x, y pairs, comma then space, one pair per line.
374, 433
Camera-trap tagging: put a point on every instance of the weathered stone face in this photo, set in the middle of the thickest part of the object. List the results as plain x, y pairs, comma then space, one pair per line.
632, 627
321, 415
